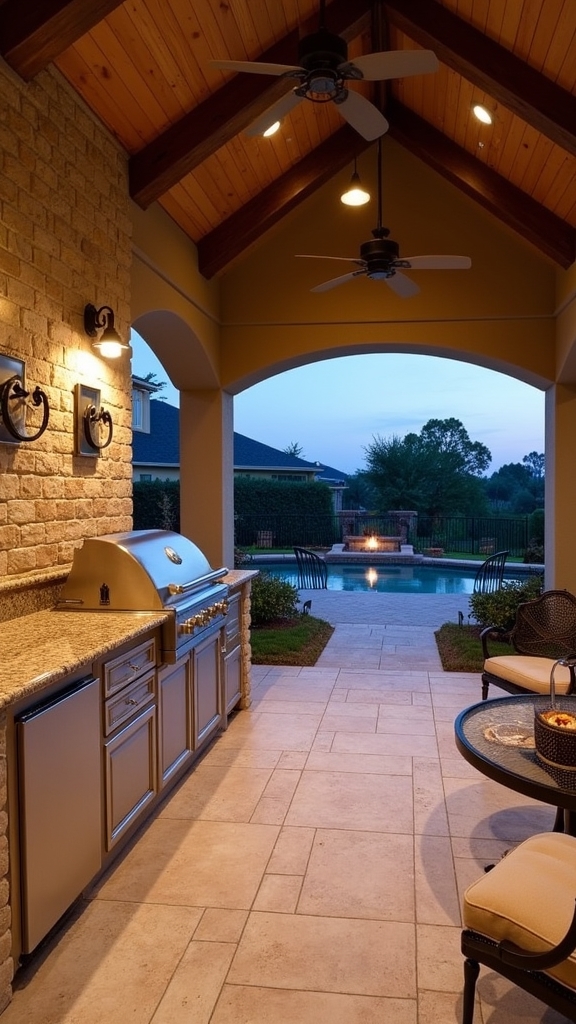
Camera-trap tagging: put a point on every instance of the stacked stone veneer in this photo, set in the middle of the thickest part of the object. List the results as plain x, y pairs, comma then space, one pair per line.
64, 241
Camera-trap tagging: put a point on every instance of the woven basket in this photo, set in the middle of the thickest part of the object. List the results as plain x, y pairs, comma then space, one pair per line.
556, 745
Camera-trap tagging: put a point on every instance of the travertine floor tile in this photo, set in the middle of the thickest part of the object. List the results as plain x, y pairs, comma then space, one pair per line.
218, 793
439, 958
99, 968
196, 983
278, 893
265, 730
292, 851
365, 875
219, 925
379, 764
239, 1005
385, 743
326, 954
437, 900
193, 863
377, 803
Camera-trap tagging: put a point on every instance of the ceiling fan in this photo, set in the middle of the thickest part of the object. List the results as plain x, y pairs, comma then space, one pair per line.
380, 258
323, 73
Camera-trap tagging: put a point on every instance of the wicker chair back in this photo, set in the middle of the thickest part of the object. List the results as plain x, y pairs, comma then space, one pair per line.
546, 627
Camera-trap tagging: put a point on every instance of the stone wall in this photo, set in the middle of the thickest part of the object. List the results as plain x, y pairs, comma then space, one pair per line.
65, 240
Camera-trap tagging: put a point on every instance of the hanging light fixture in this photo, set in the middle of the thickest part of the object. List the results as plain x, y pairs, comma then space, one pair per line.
109, 344
355, 195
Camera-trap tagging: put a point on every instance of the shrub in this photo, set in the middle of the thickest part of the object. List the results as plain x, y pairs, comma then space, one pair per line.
272, 599
499, 608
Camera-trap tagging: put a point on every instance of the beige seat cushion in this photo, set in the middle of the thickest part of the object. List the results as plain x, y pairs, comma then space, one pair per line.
532, 673
528, 898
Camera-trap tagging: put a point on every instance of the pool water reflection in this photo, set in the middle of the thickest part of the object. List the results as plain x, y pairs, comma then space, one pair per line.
388, 579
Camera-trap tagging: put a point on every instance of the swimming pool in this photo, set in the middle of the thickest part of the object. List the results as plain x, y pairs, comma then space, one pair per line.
389, 579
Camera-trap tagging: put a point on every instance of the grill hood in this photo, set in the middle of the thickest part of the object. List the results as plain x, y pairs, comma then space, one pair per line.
143, 570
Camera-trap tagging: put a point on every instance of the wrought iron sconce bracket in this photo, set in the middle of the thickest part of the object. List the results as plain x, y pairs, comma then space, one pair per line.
15, 400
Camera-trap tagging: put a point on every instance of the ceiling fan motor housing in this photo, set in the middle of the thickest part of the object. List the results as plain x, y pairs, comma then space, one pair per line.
380, 255
322, 50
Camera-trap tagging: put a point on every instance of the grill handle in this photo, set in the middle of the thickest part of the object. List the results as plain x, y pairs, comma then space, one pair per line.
200, 581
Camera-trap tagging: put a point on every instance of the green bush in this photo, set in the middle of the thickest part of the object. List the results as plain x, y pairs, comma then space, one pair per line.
499, 608
272, 599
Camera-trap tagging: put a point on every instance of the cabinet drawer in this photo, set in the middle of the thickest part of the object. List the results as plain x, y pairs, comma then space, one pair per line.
126, 703
129, 666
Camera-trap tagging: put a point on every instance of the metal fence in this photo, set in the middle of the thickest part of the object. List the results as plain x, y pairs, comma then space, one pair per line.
466, 535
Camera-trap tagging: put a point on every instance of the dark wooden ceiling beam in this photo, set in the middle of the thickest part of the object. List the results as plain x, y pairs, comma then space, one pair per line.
32, 34
245, 227
509, 204
509, 80
227, 112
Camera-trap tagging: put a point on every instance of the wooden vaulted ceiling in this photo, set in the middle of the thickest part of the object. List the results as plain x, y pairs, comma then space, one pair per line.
143, 67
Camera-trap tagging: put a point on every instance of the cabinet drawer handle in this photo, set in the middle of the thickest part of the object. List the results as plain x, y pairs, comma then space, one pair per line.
130, 700
134, 667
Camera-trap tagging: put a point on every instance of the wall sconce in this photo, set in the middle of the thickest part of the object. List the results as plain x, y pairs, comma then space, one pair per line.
355, 195
109, 344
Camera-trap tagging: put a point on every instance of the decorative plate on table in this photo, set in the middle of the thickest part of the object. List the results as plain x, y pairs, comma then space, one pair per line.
510, 734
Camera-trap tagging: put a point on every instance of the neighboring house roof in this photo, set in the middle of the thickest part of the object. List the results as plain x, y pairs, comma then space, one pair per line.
327, 474
249, 454
161, 447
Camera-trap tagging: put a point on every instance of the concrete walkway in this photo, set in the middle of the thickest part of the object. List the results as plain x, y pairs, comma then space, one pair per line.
311, 866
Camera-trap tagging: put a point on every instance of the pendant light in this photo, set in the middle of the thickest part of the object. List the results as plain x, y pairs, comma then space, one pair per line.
355, 195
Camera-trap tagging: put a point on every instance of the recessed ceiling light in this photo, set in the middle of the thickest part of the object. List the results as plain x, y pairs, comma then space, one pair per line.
482, 114
271, 130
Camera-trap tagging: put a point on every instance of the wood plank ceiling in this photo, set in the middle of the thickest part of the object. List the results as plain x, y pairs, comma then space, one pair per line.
143, 67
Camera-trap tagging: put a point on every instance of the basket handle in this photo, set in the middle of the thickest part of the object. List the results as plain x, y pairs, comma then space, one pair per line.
569, 660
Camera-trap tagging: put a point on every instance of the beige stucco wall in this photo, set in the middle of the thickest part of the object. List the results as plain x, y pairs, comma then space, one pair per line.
501, 313
64, 242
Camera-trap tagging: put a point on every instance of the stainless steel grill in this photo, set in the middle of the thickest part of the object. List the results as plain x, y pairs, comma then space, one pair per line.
149, 570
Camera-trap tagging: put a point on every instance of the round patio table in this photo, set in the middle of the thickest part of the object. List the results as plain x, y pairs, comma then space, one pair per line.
515, 766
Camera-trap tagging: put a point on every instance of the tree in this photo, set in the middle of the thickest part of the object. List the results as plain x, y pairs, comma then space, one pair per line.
293, 449
436, 472
534, 463
158, 385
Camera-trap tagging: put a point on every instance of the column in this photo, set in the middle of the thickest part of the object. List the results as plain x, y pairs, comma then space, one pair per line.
560, 505
207, 473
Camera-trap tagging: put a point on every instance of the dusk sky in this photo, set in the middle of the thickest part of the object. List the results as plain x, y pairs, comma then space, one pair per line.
333, 409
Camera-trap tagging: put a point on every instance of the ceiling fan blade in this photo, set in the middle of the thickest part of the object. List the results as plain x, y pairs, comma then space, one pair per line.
347, 259
274, 113
255, 67
438, 262
362, 115
375, 67
402, 285
336, 281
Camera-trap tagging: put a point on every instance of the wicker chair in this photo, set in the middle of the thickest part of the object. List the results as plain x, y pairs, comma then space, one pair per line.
312, 570
491, 573
520, 921
544, 631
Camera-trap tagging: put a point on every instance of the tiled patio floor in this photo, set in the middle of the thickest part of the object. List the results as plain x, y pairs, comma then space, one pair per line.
310, 867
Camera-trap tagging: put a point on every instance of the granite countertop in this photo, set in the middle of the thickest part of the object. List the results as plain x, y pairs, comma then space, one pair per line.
44, 647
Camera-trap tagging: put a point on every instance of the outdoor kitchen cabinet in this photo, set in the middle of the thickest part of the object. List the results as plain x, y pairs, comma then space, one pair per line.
207, 690
175, 716
130, 738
